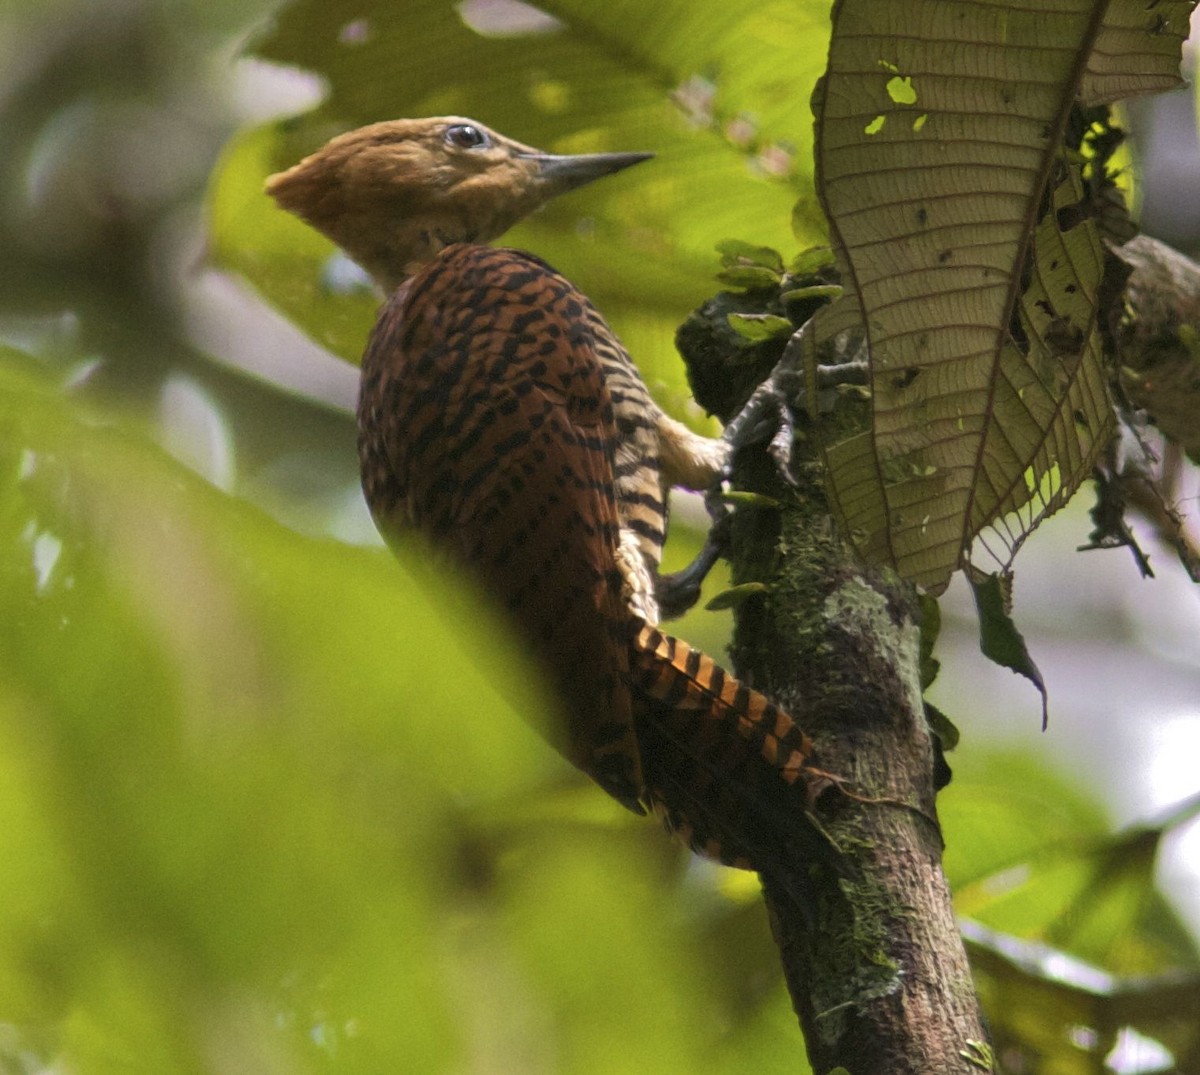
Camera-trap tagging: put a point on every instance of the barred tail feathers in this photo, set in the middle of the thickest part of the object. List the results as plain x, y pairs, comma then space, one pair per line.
732, 797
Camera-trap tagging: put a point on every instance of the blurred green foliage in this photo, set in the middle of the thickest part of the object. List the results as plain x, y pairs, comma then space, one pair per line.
263, 798
269, 802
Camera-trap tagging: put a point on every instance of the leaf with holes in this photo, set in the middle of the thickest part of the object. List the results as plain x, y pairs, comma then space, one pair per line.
971, 261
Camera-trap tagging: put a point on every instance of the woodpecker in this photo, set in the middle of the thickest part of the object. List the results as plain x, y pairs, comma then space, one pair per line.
500, 415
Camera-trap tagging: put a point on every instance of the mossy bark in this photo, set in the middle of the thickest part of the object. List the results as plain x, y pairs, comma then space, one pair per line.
878, 976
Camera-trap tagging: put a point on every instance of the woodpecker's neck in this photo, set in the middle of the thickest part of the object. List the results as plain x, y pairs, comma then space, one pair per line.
392, 261
394, 254
394, 248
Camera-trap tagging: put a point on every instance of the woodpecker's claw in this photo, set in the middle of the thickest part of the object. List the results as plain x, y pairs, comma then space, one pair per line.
767, 414
677, 592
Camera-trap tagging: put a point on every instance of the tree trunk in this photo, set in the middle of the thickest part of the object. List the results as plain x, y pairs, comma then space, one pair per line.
879, 979
873, 959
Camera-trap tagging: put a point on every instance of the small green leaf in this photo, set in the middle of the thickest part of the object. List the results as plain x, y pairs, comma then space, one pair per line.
814, 291
758, 327
979, 1054
931, 626
736, 595
745, 499
735, 252
748, 277
809, 262
999, 638
942, 726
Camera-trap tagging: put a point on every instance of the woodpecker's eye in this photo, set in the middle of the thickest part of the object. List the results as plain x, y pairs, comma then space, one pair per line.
464, 136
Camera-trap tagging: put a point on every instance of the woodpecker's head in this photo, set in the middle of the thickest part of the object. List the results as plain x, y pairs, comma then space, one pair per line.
393, 194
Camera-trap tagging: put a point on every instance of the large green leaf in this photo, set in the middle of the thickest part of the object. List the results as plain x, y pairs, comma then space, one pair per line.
969, 260
718, 90
266, 802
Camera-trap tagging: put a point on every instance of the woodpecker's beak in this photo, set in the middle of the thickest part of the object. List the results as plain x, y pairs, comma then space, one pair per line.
568, 172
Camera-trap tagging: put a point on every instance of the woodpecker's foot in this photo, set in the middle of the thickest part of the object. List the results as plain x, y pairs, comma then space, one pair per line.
677, 592
840, 376
769, 410
768, 416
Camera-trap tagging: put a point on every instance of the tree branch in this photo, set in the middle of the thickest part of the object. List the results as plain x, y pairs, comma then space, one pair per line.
1156, 337
1159, 339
